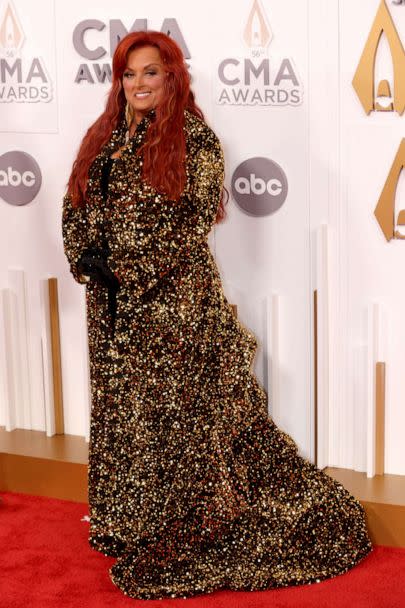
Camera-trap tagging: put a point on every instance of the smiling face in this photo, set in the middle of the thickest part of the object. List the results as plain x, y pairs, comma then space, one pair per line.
143, 80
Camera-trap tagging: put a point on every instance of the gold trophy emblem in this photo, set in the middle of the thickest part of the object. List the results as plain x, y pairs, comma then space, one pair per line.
11, 34
364, 79
385, 209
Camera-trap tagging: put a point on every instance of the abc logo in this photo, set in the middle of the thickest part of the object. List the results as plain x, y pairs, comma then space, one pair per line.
259, 186
20, 177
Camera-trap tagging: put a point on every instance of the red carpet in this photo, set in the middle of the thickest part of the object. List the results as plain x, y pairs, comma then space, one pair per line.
45, 561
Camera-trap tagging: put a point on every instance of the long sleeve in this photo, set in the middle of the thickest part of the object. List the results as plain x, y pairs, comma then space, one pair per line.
80, 230
83, 227
161, 243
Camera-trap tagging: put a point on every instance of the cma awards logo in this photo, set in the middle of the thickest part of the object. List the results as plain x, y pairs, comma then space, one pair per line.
254, 80
20, 178
94, 71
382, 96
23, 79
259, 186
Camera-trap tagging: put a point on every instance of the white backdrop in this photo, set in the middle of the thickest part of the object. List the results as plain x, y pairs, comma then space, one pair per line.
323, 236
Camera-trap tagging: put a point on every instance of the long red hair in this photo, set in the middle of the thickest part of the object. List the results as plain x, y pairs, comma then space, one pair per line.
163, 163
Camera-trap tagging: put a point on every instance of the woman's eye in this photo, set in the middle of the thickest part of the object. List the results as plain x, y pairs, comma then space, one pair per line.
127, 74
151, 73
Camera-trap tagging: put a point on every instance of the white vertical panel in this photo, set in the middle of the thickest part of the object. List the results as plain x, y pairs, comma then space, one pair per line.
349, 418
22, 370
35, 350
274, 359
326, 208
8, 360
14, 417
372, 331
265, 306
360, 408
323, 346
4, 398
47, 366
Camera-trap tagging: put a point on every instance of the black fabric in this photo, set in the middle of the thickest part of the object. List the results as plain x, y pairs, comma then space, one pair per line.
93, 261
105, 176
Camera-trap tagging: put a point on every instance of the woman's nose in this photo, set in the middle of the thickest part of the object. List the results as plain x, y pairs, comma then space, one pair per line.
138, 80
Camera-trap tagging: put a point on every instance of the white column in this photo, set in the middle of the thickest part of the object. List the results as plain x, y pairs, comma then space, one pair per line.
323, 346
359, 407
273, 338
20, 325
8, 360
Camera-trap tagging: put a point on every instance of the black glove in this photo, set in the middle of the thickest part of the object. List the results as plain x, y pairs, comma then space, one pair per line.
93, 263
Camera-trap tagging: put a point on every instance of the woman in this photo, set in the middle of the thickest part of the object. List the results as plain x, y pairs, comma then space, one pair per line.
191, 485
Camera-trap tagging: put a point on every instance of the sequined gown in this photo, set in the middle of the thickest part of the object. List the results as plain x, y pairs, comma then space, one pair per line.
191, 485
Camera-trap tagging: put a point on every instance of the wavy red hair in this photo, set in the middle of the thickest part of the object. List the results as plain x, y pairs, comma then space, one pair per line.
163, 162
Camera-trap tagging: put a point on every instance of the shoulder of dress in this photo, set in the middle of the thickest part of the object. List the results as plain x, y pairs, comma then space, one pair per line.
117, 138
198, 134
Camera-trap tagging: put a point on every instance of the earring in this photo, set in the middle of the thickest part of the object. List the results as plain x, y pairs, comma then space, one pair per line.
129, 114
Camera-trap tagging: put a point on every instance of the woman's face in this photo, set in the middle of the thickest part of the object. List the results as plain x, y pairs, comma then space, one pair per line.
143, 80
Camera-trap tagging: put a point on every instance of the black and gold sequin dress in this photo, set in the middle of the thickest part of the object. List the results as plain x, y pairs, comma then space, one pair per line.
190, 483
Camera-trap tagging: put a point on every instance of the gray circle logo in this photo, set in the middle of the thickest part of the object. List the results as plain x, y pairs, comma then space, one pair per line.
259, 186
20, 177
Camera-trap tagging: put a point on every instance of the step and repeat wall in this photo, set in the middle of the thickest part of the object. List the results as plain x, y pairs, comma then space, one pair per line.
314, 272
372, 153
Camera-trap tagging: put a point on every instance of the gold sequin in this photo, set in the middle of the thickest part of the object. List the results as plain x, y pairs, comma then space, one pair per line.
191, 485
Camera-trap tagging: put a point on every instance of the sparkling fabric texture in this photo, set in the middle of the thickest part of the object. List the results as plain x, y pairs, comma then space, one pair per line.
191, 485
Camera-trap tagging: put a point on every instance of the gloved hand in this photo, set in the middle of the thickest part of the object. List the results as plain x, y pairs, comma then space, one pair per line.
93, 263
